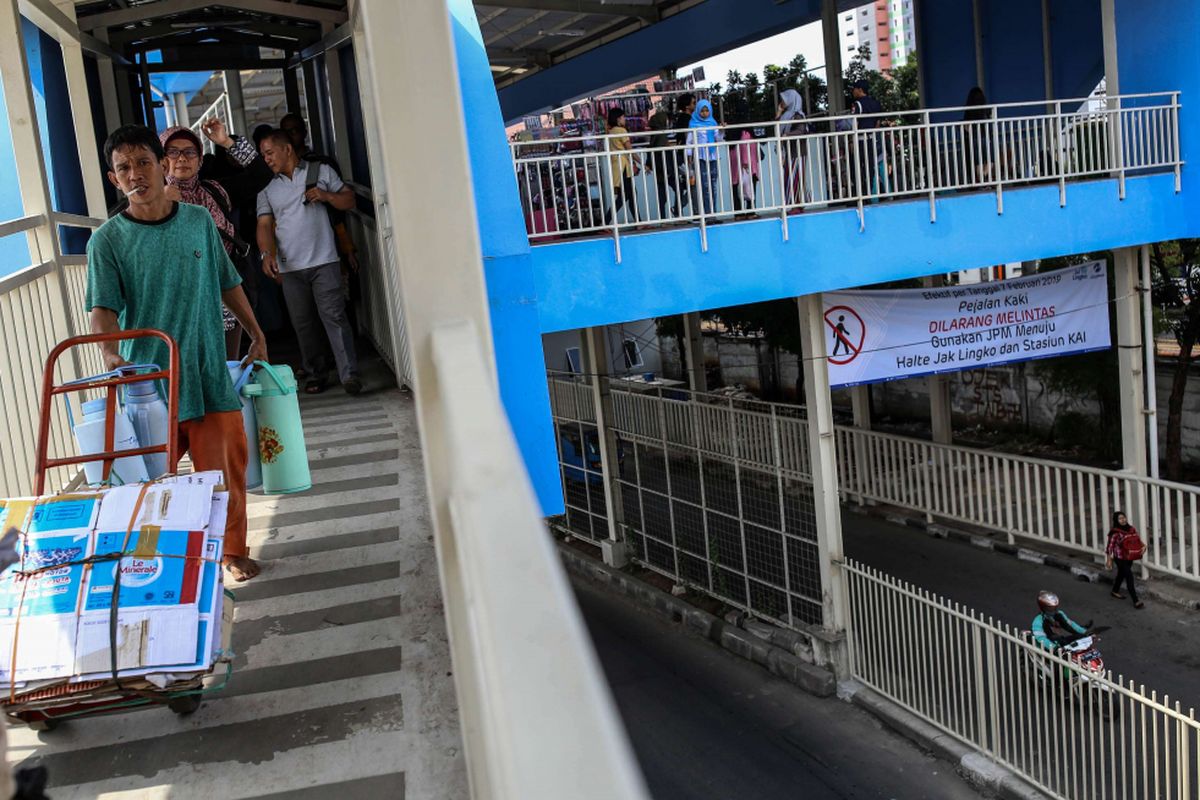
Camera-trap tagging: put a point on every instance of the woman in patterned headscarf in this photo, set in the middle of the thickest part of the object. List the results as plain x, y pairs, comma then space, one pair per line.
184, 152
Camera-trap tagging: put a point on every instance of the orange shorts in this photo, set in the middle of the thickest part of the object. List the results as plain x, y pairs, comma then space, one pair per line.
218, 441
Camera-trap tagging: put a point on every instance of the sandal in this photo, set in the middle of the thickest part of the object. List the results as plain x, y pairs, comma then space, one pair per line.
1139, 604
1117, 595
314, 386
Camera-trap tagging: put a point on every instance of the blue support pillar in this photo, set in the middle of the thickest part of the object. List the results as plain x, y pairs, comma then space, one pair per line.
507, 265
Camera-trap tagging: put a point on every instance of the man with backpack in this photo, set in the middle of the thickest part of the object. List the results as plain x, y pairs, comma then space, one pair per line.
1125, 546
298, 248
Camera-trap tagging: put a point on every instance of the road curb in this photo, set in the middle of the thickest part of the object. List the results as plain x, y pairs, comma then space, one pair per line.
1079, 568
793, 669
976, 768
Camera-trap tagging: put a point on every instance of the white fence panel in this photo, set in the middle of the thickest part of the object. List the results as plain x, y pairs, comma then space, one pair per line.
1078, 734
1055, 502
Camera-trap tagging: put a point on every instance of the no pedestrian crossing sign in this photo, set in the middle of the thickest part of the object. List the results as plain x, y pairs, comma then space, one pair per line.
885, 335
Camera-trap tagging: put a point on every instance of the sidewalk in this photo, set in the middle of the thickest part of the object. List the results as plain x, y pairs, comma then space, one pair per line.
1155, 646
341, 686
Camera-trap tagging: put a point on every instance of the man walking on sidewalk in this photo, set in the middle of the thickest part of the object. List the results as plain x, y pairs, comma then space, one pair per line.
298, 248
161, 264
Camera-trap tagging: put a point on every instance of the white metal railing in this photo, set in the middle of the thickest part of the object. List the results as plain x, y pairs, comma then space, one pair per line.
1029, 498
844, 161
40, 306
1063, 504
219, 109
537, 718
1075, 733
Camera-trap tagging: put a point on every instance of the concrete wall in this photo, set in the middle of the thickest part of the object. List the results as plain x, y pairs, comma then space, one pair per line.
555, 346
1012, 397
744, 360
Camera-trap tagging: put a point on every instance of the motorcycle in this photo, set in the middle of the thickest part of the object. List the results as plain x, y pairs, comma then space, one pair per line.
1087, 683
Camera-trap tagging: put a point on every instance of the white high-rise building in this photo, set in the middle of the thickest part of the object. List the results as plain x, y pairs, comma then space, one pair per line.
886, 25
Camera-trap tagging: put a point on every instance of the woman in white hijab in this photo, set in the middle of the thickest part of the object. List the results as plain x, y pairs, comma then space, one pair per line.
790, 118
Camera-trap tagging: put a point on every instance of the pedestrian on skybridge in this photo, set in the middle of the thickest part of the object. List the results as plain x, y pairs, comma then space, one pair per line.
161, 264
299, 251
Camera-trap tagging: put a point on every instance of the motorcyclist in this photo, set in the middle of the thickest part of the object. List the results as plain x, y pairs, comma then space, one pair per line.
1052, 628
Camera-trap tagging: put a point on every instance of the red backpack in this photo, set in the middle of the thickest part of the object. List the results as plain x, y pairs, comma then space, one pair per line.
1132, 545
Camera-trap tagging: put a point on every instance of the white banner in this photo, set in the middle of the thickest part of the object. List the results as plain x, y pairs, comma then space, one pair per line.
884, 335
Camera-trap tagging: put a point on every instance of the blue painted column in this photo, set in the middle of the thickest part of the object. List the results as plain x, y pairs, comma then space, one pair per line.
507, 265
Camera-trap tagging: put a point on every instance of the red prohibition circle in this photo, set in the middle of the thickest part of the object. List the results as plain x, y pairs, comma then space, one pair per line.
855, 349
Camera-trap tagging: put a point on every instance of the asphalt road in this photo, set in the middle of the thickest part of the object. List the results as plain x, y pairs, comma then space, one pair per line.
1156, 646
707, 725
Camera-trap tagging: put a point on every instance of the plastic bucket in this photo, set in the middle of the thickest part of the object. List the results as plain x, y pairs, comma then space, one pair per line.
89, 435
148, 414
241, 376
281, 448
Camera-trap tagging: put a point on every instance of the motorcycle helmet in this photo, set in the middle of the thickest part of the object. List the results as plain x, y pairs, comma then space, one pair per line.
1047, 602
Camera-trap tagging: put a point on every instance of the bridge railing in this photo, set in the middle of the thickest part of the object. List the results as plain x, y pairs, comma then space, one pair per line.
608, 184
1027, 499
537, 718
218, 109
40, 305
1073, 732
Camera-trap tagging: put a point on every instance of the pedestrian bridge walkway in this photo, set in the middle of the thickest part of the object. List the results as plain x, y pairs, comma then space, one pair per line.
342, 683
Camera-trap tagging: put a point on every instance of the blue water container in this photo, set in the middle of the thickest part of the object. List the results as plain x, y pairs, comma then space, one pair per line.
241, 375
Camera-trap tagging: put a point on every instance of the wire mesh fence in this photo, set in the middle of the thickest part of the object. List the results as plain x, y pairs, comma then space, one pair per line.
714, 494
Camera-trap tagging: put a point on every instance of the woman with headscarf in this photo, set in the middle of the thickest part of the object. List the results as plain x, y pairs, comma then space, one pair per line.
621, 165
1125, 546
791, 124
703, 134
183, 150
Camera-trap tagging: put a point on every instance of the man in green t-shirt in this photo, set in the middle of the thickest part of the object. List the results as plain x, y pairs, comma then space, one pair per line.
161, 264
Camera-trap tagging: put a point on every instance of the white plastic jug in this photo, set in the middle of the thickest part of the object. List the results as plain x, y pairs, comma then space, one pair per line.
148, 414
89, 435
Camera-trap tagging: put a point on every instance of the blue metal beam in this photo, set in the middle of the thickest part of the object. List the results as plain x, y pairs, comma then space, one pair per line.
667, 273
708, 29
507, 265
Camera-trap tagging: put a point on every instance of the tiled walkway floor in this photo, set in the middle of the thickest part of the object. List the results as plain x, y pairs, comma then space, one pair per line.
342, 685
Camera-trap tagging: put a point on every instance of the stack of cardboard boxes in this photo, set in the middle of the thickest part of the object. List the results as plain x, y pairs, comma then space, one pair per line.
123, 585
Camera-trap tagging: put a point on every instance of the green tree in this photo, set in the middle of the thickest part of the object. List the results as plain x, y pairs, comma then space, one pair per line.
1175, 287
895, 89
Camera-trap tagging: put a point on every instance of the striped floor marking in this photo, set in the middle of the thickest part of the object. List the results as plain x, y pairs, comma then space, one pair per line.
341, 685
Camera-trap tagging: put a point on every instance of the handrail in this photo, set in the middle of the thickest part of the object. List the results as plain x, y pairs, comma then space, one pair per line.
916, 112
76, 220
220, 109
17, 279
21, 224
537, 717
